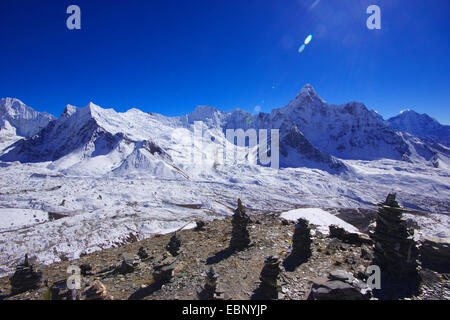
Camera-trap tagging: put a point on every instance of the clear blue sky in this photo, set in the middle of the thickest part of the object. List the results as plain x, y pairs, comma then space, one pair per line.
169, 56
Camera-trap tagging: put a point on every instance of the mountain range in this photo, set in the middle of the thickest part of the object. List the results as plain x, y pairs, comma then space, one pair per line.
312, 133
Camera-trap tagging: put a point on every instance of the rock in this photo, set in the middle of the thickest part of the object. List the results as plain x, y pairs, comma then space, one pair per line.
301, 240
348, 237
240, 237
435, 254
269, 277
85, 269
340, 275
25, 278
340, 285
128, 265
174, 245
97, 291
59, 291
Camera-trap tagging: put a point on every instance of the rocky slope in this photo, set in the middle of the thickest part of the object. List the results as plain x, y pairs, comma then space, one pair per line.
127, 271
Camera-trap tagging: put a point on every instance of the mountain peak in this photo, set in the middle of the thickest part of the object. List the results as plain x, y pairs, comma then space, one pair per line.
308, 92
26, 120
307, 88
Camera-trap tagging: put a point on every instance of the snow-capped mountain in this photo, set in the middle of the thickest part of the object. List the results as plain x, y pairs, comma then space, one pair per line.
18, 121
422, 126
26, 121
312, 133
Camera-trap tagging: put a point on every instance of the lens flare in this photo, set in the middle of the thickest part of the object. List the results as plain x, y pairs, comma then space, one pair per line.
308, 39
302, 47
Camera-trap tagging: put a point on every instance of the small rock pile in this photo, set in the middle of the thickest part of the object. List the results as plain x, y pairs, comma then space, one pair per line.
174, 245
340, 285
210, 290
163, 270
395, 250
301, 240
269, 286
25, 278
143, 253
97, 291
240, 237
129, 264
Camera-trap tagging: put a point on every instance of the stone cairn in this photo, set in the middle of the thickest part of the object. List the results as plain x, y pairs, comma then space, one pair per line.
301, 240
97, 291
210, 290
200, 225
143, 253
240, 237
174, 245
163, 271
25, 278
395, 250
269, 277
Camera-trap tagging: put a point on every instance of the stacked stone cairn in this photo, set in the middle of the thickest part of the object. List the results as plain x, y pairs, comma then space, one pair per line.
200, 225
240, 237
395, 250
25, 278
174, 245
269, 286
163, 271
210, 290
128, 265
301, 240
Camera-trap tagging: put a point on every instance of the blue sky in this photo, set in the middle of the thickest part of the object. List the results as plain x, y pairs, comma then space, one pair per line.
168, 56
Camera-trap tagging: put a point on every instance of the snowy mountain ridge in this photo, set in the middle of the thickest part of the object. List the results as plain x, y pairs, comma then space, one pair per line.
313, 134
422, 126
111, 174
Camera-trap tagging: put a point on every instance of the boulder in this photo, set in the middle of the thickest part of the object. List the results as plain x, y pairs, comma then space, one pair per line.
340, 285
